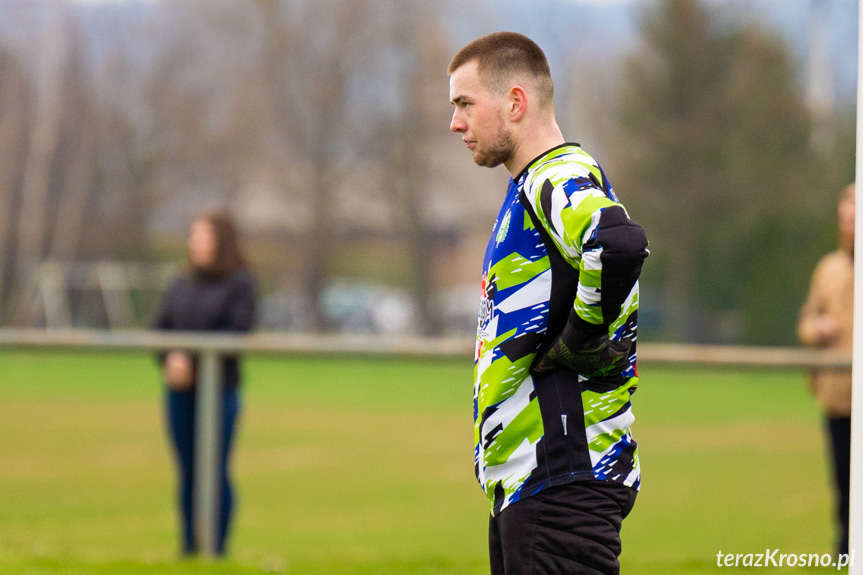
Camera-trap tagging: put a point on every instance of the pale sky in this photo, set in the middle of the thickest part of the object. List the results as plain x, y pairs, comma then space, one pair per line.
107, 1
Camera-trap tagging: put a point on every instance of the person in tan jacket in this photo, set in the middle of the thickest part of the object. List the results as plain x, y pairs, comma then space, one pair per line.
826, 321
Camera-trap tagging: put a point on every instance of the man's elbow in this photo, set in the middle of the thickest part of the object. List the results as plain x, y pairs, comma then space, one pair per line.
624, 243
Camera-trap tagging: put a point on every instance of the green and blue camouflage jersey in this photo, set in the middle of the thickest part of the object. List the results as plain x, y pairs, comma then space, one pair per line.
553, 252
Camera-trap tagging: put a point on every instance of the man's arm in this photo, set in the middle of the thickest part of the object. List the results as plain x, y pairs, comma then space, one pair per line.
613, 249
610, 264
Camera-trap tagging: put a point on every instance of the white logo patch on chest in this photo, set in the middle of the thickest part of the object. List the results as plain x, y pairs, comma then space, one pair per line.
504, 228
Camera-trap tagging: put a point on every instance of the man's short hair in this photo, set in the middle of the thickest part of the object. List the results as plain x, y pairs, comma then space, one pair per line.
506, 57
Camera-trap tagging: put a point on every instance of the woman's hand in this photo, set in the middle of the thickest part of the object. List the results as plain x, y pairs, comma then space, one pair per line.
179, 371
826, 330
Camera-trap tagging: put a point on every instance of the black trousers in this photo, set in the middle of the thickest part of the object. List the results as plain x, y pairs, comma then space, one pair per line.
571, 529
839, 430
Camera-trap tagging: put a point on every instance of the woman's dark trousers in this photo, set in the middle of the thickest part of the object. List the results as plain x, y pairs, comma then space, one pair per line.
181, 423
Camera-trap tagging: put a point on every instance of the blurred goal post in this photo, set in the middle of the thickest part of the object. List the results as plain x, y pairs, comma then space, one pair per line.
856, 506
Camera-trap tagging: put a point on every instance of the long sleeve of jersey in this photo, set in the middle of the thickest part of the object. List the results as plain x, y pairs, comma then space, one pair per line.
595, 235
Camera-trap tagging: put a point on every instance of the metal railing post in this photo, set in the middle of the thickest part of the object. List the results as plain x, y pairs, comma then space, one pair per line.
208, 428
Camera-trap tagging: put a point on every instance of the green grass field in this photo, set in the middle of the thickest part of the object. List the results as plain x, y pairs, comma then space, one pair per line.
365, 466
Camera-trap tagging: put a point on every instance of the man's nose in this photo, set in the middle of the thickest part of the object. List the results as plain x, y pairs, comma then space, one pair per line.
457, 124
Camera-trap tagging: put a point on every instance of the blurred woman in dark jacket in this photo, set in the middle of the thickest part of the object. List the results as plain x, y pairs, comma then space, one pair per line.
215, 293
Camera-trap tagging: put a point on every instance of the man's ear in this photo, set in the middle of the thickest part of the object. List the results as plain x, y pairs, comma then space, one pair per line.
517, 103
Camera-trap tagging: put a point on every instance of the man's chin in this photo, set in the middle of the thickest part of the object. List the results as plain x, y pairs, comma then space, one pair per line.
486, 161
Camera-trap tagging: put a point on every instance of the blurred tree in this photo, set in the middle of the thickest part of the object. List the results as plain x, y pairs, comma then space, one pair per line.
32, 218
199, 140
290, 100
76, 154
122, 203
14, 110
316, 55
60, 187
424, 55
714, 159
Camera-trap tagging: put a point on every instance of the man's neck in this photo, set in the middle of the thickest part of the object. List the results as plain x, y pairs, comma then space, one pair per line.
532, 145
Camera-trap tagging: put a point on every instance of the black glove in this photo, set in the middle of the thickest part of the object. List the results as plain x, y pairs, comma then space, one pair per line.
585, 353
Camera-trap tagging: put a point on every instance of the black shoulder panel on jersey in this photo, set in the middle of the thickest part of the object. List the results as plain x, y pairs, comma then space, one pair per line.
624, 248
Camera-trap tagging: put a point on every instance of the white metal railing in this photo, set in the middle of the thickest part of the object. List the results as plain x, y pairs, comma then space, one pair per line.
211, 347
455, 347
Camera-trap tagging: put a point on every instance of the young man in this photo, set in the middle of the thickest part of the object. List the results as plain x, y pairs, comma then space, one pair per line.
555, 355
